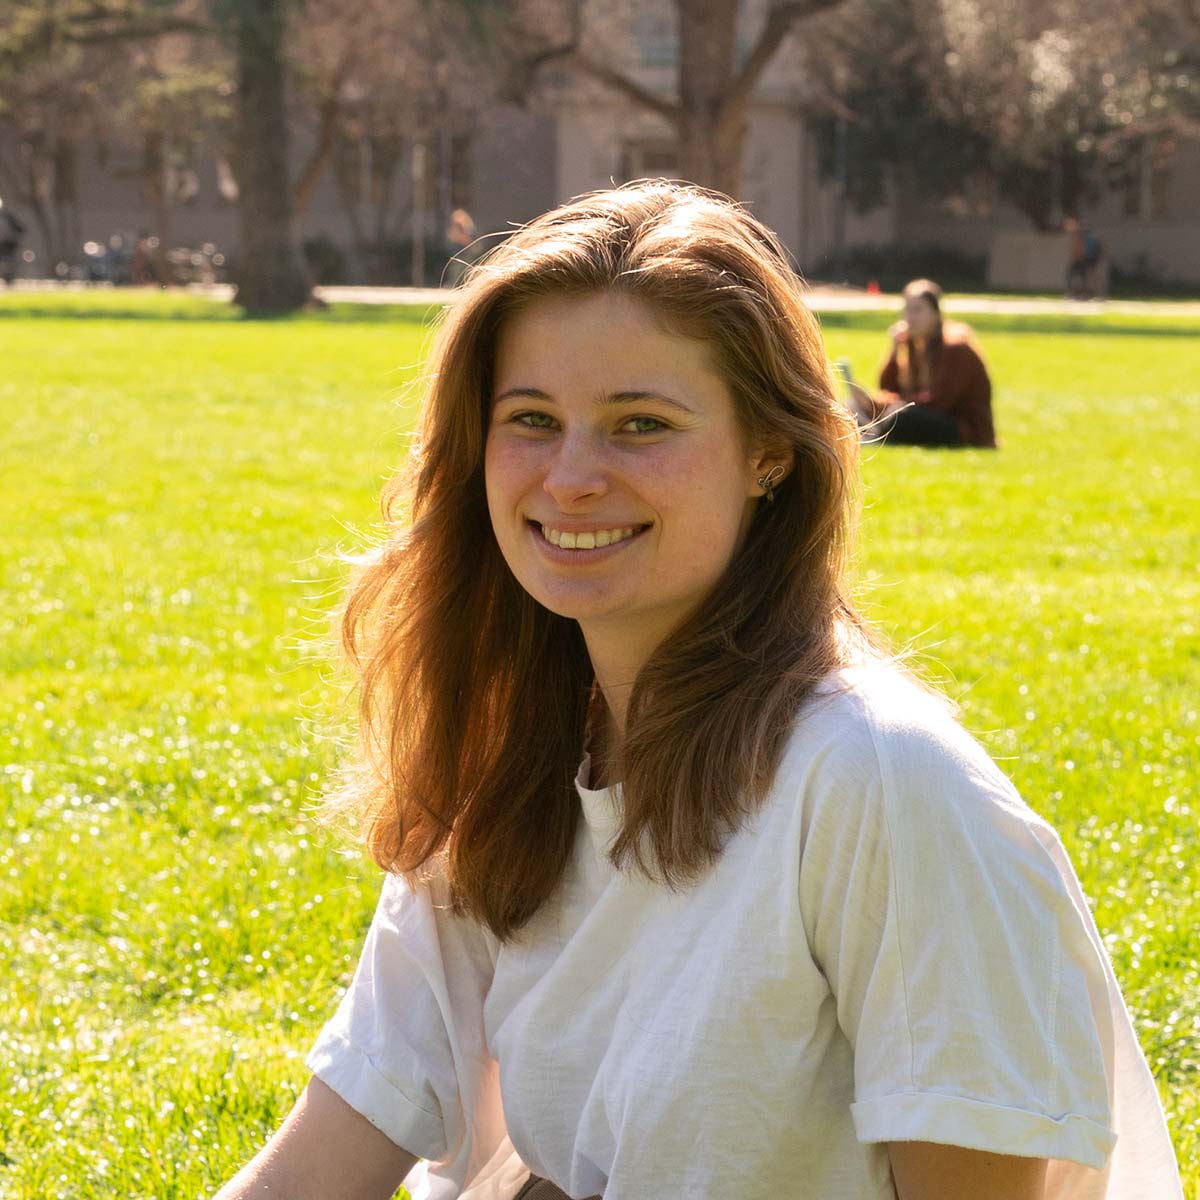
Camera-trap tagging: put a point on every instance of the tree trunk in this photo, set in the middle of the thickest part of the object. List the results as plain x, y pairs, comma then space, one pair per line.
33, 195
715, 89
710, 133
66, 194
153, 179
270, 278
44, 181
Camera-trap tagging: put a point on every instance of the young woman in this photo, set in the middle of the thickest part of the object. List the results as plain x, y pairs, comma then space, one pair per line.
934, 388
691, 892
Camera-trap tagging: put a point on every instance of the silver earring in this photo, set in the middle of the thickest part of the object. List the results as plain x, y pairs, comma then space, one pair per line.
768, 481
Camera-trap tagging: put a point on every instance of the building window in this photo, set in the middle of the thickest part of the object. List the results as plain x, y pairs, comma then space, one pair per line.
649, 158
657, 38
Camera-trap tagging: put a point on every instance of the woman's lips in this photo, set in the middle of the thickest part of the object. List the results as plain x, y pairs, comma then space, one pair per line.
586, 542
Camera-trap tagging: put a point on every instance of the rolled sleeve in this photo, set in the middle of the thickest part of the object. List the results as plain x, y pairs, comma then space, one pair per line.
970, 985
406, 1047
387, 1103
977, 1125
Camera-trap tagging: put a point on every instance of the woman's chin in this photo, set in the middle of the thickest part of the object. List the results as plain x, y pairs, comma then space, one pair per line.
578, 608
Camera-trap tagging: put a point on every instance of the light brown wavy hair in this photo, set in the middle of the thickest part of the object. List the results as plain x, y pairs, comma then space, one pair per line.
474, 698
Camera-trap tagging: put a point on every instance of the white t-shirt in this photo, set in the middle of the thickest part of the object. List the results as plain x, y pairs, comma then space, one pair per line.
895, 947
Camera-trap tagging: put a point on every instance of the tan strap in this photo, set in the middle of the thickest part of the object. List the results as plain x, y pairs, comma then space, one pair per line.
543, 1189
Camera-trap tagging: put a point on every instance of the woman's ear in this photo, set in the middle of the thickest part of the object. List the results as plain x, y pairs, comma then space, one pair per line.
769, 466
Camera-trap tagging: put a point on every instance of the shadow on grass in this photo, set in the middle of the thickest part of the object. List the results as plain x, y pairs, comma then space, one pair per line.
159, 307
20, 307
1099, 325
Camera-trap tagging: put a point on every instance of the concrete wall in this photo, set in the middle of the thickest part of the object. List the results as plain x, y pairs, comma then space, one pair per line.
112, 200
523, 162
774, 169
782, 183
1170, 251
588, 148
1028, 261
514, 165
1166, 246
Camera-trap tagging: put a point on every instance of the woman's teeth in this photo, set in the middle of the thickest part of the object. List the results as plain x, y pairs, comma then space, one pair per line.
586, 541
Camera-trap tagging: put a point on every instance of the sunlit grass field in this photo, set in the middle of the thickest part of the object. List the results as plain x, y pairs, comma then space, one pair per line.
176, 485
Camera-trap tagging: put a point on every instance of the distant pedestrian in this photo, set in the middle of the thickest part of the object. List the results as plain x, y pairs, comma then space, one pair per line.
1085, 260
460, 239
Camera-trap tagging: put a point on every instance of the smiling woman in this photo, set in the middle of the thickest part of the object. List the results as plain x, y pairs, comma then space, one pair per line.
691, 890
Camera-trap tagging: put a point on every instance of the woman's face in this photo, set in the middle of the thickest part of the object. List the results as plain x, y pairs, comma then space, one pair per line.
618, 480
920, 316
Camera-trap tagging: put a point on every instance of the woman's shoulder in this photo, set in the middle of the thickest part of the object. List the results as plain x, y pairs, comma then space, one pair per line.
958, 338
956, 332
874, 737
419, 907
882, 700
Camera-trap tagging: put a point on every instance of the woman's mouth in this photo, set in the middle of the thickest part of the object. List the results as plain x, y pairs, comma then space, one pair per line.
591, 539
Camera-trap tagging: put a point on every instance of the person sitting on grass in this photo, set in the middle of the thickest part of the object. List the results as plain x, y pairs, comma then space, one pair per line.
934, 388
692, 890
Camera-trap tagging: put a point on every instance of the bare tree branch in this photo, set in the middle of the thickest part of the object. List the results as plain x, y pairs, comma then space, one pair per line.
627, 87
826, 100
569, 53
523, 70
328, 112
780, 20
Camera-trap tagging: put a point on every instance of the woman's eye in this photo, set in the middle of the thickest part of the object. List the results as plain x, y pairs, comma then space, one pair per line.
535, 420
644, 425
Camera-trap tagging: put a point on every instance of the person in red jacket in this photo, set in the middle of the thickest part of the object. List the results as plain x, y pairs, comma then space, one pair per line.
934, 389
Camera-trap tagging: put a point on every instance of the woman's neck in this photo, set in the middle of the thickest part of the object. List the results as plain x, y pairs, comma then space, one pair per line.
618, 655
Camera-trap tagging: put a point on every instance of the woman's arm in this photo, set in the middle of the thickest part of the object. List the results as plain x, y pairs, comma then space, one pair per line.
928, 1171
962, 389
325, 1150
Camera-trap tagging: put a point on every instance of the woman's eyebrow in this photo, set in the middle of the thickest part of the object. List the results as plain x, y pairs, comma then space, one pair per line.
523, 393
626, 397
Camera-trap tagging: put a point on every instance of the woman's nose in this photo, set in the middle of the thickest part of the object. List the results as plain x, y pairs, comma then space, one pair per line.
576, 472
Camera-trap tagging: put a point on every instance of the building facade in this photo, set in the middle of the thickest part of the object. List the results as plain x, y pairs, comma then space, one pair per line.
505, 164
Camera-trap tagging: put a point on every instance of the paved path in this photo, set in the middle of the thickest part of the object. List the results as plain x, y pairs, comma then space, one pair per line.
821, 297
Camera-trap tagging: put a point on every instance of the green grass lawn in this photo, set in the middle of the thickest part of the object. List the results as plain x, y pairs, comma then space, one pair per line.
176, 485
